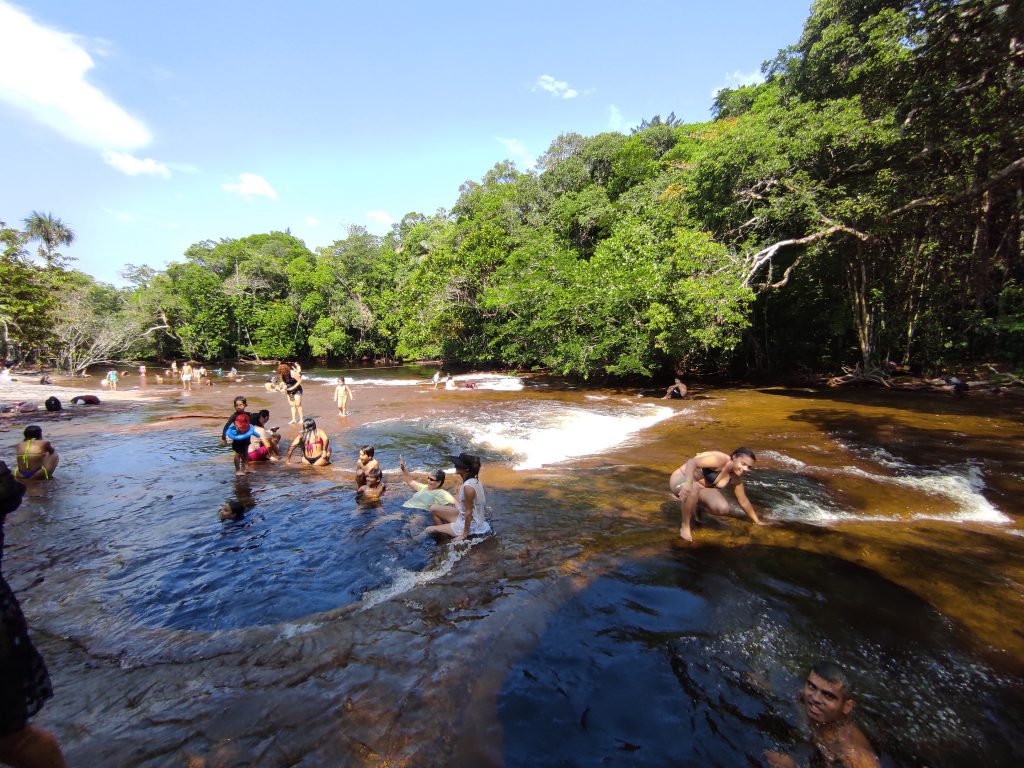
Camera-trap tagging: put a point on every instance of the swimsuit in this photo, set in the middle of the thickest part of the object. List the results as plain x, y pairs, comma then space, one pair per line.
710, 477
25, 474
259, 453
289, 382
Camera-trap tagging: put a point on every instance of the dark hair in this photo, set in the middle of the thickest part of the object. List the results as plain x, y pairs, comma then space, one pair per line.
374, 472
53, 404
368, 450
308, 429
743, 452
11, 492
33, 432
438, 476
241, 398
263, 414
828, 670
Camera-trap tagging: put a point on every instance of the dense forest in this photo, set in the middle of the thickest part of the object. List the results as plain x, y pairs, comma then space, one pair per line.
862, 205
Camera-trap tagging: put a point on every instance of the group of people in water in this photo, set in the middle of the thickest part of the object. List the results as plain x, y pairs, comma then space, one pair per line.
698, 484
251, 439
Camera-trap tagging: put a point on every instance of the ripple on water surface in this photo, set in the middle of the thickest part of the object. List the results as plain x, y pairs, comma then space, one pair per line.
159, 556
693, 658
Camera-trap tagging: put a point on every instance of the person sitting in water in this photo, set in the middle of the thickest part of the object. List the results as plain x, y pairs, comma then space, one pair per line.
374, 487
264, 444
316, 445
678, 389
827, 701
364, 464
701, 480
467, 516
449, 382
85, 400
428, 493
26, 682
36, 458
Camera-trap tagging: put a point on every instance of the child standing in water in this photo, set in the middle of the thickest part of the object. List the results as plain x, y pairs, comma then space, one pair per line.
240, 434
342, 394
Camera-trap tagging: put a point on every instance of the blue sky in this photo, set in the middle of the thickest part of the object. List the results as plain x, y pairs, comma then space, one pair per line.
147, 127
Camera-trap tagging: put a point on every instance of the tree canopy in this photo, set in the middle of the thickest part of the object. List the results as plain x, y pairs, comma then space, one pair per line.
862, 204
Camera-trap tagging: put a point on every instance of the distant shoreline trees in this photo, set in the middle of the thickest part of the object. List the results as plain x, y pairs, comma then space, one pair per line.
862, 206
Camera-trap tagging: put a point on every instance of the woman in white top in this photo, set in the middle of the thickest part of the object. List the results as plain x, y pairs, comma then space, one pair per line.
467, 516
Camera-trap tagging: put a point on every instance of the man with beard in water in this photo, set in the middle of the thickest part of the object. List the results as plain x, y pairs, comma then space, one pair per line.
24, 681
827, 702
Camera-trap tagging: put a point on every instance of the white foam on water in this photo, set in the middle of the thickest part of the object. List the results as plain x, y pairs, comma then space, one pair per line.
550, 433
493, 381
781, 458
965, 488
404, 580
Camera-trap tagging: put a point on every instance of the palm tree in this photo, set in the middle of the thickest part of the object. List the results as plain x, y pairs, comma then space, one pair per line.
51, 233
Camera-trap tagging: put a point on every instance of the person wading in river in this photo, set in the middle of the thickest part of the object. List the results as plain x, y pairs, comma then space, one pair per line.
827, 701
701, 480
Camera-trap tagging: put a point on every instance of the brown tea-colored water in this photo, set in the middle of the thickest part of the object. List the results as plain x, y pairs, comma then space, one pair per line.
315, 632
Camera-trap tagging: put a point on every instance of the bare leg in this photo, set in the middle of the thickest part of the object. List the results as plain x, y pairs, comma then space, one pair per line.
446, 529
443, 513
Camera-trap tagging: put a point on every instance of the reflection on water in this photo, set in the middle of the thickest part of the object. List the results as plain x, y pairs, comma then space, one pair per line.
694, 658
316, 632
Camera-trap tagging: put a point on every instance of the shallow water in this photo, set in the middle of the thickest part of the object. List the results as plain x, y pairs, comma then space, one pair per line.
317, 632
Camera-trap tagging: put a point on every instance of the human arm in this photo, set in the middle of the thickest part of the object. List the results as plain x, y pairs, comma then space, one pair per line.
741, 497
292, 447
297, 377
468, 503
407, 476
327, 445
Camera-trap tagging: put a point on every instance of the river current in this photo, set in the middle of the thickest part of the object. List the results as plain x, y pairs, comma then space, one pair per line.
315, 632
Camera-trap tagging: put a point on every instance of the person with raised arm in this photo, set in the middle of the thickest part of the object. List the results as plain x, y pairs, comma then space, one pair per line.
467, 517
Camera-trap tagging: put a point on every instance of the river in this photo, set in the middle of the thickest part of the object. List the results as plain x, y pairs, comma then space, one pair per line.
314, 632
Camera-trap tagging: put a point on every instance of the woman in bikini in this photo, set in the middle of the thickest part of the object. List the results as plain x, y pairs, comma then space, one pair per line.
36, 458
701, 480
316, 445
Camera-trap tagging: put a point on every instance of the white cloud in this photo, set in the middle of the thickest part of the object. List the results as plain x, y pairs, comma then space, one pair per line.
252, 185
43, 72
736, 79
380, 218
312, 221
518, 151
615, 120
558, 88
135, 166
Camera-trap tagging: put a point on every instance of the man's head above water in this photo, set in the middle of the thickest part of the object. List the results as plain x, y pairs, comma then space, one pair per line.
826, 695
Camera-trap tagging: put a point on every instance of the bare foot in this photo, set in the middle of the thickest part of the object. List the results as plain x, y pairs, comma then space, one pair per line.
685, 534
239, 473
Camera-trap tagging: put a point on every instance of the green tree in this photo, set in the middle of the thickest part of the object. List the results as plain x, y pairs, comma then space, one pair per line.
51, 233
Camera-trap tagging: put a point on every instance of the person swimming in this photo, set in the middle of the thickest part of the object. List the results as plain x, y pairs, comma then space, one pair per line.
701, 480
364, 464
